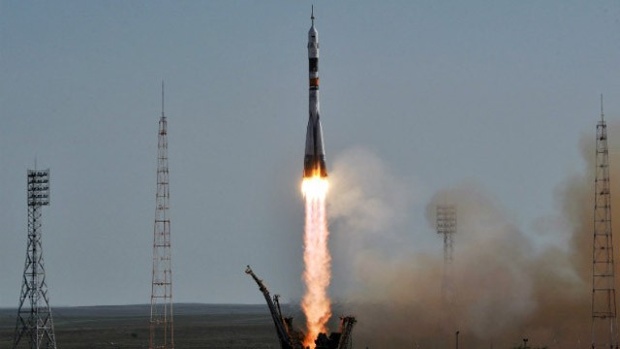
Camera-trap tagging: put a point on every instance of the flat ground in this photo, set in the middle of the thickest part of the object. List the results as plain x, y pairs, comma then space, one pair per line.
195, 326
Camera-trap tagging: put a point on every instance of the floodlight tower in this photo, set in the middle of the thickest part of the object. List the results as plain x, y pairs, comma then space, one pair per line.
446, 226
34, 315
161, 323
604, 322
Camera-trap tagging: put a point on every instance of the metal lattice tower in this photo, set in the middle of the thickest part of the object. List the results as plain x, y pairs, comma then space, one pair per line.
34, 315
161, 324
604, 322
446, 226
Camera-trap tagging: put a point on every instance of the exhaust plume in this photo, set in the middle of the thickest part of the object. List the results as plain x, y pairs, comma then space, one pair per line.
317, 260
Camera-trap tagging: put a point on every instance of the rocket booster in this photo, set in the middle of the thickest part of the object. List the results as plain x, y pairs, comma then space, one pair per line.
314, 160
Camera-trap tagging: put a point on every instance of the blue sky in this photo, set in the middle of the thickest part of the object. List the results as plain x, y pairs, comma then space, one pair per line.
497, 93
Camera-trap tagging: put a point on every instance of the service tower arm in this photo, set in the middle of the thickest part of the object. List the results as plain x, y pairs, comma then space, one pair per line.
283, 336
346, 327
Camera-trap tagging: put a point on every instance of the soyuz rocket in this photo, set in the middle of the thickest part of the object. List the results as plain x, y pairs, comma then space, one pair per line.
314, 159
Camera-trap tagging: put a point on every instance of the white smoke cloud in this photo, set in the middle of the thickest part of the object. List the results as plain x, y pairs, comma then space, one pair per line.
366, 198
505, 285
369, 214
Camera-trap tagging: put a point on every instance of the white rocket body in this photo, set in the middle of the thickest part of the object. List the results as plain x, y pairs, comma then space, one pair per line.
314, 160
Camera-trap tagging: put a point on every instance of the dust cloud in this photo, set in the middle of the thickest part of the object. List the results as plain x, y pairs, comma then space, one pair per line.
506, 284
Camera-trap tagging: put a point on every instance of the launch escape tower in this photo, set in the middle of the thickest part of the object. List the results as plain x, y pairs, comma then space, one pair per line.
604, 322
34, 320
446, 226
161, 323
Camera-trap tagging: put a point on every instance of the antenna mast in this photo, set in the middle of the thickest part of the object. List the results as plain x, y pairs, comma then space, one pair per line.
34, 320
161, 323
162, 98
604, 322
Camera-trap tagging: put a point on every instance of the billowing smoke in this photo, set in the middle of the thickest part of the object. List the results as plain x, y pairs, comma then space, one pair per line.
507, 285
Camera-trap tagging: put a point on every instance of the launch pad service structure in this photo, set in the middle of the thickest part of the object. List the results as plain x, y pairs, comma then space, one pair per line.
290, 338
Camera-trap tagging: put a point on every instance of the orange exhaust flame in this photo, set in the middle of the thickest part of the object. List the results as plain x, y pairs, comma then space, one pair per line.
317, 273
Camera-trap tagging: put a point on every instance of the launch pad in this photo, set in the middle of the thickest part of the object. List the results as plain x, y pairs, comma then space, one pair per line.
291, 338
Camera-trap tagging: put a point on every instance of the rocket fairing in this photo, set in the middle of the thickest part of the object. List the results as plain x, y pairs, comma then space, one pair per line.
314, 160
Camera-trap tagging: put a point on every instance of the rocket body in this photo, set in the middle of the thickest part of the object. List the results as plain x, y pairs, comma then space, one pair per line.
314, 159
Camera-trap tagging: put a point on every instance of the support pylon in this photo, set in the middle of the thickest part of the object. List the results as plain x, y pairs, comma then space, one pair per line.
34, 315
604, 322
161, 324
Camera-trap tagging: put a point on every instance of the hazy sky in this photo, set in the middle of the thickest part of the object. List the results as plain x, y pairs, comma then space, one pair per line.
429, 94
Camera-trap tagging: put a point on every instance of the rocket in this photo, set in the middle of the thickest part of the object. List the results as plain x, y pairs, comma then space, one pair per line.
314, 159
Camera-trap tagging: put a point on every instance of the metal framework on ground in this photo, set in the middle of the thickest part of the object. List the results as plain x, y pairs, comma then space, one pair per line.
604, 322
446, 226
35, 326
161, 322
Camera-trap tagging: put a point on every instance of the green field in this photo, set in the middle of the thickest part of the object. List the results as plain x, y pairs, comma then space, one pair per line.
195, 326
